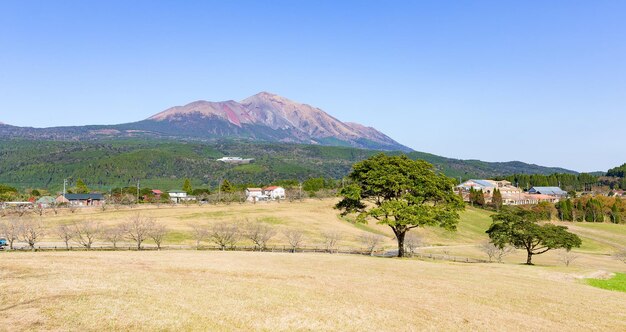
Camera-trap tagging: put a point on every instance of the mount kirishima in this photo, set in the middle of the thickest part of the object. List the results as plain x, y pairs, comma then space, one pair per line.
262, 117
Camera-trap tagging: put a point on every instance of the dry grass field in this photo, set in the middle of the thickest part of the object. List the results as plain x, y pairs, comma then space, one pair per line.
209, 290
191, 290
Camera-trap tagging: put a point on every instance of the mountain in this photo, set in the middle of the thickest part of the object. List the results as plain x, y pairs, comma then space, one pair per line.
263, 117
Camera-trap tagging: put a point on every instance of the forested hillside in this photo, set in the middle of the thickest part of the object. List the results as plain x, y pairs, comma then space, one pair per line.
163, 163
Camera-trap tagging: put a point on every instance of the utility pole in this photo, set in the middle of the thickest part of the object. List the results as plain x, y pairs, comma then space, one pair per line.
64, 185
137, 191
219, 191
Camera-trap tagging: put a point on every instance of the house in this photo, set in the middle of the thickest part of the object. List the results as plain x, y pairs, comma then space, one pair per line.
178, 196
157, 193
254, 194
274, 192
511, 195
81, 199
45, 201
552, 191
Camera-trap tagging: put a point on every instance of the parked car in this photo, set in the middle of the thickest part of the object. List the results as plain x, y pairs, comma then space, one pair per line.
3, 243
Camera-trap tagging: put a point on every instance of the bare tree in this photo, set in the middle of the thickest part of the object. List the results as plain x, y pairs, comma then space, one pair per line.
39, 210
137, 228
295, 238
494, 252
200, 232
55, 207
157, 233
31, 232
86, 232
259, 233
10, 230
66, 233
567, 257
114, 235
371, 241
331, 240
224, 234
412, 242
620, 255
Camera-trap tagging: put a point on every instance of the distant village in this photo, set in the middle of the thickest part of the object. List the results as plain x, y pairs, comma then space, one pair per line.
511, 195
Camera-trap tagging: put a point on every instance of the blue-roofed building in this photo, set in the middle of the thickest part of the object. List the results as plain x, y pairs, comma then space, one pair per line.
551, 191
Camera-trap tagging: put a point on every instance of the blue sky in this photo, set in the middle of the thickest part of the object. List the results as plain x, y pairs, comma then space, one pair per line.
537, 81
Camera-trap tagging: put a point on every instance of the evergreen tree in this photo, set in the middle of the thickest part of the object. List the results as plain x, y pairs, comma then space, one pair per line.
81, 187
480, 198
227, 187
616, 216
187, 187
496, 200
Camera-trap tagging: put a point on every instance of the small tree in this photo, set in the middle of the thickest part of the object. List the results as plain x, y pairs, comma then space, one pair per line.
137, 228
227, 187
295, 239
114, 235
412, 242
81, 187
31, 231
199, 232
65, 233
371, 242
520, 229
10, 230
494, 252
259, 233
86, 232
157, 234
331, 240
496, 199
187, 187
224, 234
567, 257
620, 256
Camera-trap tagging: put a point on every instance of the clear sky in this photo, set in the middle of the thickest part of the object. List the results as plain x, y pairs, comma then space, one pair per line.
538, 81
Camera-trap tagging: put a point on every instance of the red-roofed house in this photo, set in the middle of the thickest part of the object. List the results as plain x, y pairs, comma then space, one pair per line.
274, 192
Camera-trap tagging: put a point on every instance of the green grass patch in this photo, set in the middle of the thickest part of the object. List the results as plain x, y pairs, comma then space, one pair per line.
271, 220
176, 237
617, 283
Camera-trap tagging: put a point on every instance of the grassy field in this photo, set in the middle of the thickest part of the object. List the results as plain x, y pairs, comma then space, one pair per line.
190, 290
208, 290
617, 283
315, 217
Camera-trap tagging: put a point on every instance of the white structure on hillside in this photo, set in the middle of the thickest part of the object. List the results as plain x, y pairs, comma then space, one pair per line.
236, 160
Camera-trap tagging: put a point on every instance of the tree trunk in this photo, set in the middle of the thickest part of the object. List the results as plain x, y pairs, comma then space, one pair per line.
529, 258
400, 236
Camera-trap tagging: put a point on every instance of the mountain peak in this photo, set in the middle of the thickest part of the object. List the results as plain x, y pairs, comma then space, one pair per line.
266, 114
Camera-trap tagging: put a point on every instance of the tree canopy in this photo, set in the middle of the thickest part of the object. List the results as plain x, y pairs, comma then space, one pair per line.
521, 229
402, 194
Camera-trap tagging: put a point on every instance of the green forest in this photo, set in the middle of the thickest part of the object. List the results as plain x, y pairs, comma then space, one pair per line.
104, 165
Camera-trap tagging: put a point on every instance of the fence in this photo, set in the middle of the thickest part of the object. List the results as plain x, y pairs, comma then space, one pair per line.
274, 249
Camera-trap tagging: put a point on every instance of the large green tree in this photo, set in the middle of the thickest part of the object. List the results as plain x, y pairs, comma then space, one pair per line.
402, 194
520, 229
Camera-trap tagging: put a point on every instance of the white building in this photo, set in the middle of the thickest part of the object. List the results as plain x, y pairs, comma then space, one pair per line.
178, 196
254, 194
274, 192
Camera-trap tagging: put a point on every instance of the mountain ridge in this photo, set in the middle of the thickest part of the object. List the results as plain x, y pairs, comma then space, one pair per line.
264, 116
